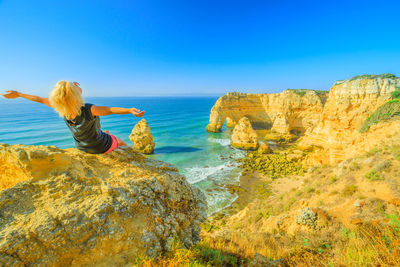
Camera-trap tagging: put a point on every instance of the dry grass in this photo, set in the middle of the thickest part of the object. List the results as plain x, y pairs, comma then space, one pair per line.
200, 255
366, 245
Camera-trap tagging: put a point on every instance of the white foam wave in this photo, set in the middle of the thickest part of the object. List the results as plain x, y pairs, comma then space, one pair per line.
197, 174
221, 141
214, 208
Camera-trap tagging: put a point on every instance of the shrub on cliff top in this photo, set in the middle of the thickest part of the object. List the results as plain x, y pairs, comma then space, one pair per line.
302, 92
372, 76
396, 94
387, 111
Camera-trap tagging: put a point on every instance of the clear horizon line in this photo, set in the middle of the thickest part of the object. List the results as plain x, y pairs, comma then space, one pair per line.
214, 95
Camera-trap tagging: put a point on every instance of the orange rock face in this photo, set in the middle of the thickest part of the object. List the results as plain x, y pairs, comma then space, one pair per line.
283, 112
337, 136
330, 123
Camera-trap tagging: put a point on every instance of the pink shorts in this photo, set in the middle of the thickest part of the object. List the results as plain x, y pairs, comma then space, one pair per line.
114, 144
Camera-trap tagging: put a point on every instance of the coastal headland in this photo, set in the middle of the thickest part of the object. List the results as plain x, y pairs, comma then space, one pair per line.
320, 186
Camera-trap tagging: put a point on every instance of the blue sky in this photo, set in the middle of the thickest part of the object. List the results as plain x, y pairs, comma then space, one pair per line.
141, 48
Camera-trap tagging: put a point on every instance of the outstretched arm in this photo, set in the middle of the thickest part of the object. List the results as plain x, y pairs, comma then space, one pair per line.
103, 111
15, 94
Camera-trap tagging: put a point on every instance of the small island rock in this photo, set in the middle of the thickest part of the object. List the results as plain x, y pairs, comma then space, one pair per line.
142, 138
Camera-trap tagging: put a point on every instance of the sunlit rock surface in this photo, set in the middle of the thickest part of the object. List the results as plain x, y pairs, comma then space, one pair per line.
142, 138
64, 207
337, 136
291, 110
244, 136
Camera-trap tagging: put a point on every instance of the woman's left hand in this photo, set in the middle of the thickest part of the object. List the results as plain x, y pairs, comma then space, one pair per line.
137, 112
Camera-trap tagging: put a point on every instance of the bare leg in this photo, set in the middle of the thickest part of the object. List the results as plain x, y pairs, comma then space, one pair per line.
120, 142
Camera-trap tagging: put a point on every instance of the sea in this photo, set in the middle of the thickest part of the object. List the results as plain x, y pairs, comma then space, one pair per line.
178, 125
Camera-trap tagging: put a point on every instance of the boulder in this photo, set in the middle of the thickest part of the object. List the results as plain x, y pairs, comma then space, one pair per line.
306, 217
280, 138
142, 138
244, 136
294, 157
64, 207
264, 149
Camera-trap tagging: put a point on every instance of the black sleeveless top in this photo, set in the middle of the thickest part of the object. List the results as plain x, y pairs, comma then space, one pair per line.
85, 129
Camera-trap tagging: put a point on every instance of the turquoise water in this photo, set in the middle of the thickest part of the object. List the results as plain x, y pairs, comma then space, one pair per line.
177, 124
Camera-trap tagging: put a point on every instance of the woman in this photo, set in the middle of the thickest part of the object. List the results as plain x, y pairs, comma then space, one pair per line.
81, 118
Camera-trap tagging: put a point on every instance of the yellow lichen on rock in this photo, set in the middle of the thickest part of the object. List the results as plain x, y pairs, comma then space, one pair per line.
142, 138
68, 208
244, 136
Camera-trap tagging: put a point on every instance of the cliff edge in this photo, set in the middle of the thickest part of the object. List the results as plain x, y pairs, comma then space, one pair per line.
65, 207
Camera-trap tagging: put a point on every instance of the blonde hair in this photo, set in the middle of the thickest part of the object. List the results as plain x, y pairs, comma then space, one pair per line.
66, 99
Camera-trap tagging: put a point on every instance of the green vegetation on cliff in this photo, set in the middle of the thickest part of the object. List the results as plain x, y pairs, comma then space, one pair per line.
387, 111
368, 76
302, 92
396, 94
372, 76
272, 165
201, 255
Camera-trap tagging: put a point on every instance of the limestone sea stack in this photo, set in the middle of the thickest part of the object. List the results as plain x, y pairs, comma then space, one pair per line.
64, 207
142, 138
244, 136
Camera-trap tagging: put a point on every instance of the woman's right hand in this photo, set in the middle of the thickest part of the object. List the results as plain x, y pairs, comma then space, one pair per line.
137, 112
11, 94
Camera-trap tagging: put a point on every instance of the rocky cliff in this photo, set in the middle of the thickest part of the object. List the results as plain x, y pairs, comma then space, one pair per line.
330, 123
337, 136
68, 208
291, 110
142, 138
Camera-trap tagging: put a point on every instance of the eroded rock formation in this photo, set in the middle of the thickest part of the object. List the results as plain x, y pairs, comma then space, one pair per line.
291, 110
244, 136
68, 208
142, 138
330, 124
337, 136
